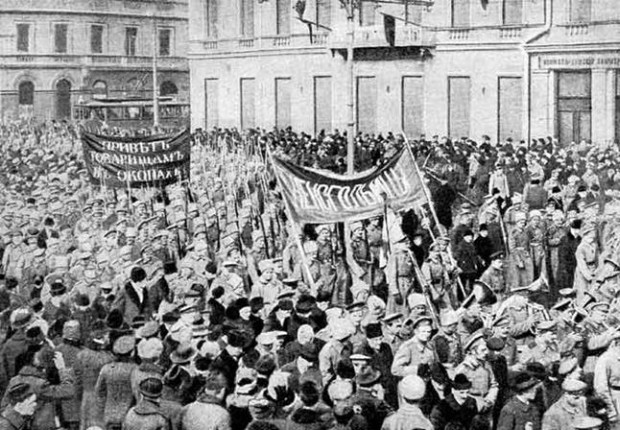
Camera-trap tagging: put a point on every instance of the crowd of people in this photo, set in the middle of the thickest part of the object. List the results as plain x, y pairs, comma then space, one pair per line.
201, 306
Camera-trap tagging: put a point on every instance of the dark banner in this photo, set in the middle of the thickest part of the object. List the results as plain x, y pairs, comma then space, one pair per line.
137, 162
318, 197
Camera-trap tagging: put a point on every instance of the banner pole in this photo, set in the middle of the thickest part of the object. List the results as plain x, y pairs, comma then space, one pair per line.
432, 208
296, 226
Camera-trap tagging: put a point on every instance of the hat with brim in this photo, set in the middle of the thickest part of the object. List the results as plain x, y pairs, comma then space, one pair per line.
368, 378
124, 345
184, 354
524, 382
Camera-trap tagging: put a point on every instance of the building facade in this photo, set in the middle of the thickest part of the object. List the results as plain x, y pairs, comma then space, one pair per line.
504, 68
56, 53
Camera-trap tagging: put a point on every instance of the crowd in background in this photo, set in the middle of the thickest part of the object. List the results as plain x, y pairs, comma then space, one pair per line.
491, 306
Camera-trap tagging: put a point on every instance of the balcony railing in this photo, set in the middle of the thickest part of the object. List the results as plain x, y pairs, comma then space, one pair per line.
93, 61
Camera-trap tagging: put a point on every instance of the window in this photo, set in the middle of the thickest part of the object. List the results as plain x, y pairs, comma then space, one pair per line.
322, 104
412, 105
100, 90
131, 39
460, 13
574, 102
96, 39
211, 103
168, 88
211, 19
283, 17
247, 103
26, 93
247, 18
23, 37
283, 103
60, 38
513, 12
580, 10
367, 13
510, 112
165, 38
459, 106
324, 13
366, 104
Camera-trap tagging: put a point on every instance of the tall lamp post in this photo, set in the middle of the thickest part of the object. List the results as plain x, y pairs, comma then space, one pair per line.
155, 77
350, 6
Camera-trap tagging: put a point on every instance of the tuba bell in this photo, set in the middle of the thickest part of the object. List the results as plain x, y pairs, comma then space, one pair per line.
539, 285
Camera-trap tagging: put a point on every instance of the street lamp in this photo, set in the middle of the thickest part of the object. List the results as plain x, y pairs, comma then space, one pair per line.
350, 6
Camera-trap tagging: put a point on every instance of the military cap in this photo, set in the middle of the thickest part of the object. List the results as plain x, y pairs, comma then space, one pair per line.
473, 339
567, 365
421, 319
391, 317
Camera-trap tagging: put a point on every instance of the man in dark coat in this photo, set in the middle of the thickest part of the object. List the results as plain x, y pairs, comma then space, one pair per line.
133, 299
566, 255
466, 259
520, 412
226, 362
457, 407
15, 346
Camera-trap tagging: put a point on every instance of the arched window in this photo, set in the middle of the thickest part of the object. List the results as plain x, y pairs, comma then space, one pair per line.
100, 90
168, 88
63, 99
26, 93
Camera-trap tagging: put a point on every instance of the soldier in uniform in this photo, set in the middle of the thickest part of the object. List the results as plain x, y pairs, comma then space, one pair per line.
400, 274
562, 414
607, 382
447, 341
494, 277
338, 348
555, 232
545, 349
478, 370
416, 351
520, 271
438, 278
586, 257
392, 327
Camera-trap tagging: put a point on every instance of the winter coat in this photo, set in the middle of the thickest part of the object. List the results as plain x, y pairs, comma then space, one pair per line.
309, 419
130, 305
146, 415
515, 415
449, 411
88, 365
113, 391
13, 348
408, 417
193, 415
48, 395
71, 407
